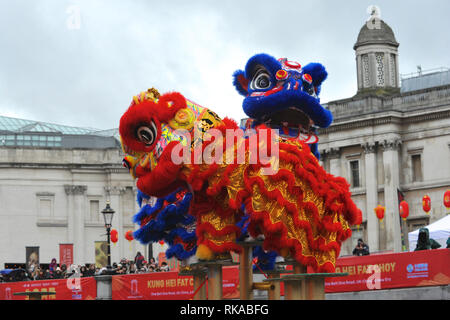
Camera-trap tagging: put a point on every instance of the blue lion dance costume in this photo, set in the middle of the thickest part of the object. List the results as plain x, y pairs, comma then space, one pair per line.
289, 85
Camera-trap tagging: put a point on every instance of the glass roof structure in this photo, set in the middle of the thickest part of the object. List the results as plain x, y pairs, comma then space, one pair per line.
21, 125
27, 133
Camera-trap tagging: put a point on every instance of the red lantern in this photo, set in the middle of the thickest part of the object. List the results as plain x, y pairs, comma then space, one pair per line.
114, 236
447, 199
426, 204
379, 211
129, 235
161, 242
404, 209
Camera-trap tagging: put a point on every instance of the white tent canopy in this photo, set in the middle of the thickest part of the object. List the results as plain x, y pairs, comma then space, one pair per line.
439, 231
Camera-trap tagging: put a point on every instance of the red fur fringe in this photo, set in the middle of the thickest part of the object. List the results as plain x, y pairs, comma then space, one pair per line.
334, 191
163, 178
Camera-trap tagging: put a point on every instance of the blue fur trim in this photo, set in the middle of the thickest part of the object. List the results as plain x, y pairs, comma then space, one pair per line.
182, 233
149, 210
178, 252
317, 72
171, 216
243, 225
266, 260
140, 196
314, 150
237, 84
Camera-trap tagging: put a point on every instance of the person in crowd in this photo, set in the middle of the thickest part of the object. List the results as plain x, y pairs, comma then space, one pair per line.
139, 259
151, 269
448, 243
424, 242
52, 266
58, 273
152, 263
133, 267
91, 270
142, 270
361, 249
121, 269
83, 271
47, 274
33, 266
35, 273
164, 267
40, 275
63, 270
124, 262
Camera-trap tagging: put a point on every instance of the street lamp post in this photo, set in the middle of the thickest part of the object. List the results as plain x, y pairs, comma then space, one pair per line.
108, 214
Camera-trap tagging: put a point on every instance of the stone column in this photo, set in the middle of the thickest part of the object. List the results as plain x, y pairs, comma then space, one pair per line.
391, 184
359, 72
372, 70
335, 161
371, 195
76, 195
387, 68
397, 73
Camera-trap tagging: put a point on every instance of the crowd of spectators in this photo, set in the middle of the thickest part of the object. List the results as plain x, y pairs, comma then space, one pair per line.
56, 271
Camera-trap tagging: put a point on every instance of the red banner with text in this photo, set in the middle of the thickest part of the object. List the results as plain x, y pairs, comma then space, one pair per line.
394, 270
376, 271
65, 289
66, 254
168, 286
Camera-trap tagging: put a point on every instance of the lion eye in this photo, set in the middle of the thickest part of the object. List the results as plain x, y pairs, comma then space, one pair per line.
261, 80
147, 134
126, 164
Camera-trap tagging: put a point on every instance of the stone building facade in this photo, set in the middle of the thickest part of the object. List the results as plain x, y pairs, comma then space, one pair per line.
54, 183
389, 140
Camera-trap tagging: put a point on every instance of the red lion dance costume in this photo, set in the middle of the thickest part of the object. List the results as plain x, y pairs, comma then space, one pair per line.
302, 211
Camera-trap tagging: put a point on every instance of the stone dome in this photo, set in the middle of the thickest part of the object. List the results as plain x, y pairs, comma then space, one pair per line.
376, 35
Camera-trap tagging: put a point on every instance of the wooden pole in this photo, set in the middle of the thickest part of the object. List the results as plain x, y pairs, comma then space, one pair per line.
315, 288
246, 273
295, 289
215, 282
199, 279
275, 293
313, 285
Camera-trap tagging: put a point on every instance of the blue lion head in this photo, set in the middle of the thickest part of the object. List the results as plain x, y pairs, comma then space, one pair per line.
281, 91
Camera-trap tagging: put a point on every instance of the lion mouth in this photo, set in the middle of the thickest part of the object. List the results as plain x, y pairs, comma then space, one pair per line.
292, 117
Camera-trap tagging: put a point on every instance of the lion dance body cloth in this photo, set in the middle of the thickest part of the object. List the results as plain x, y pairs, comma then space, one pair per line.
299, 209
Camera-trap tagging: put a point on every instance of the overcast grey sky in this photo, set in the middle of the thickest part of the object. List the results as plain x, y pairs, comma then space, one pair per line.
83, 72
